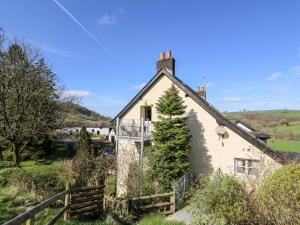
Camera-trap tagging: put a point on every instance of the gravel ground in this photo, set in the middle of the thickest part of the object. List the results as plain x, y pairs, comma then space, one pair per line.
181, 215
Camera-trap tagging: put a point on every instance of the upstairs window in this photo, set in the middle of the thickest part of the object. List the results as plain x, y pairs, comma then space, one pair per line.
147, 113
246, 166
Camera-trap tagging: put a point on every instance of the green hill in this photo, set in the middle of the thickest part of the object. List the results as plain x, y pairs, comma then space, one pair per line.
282, 125
76, 115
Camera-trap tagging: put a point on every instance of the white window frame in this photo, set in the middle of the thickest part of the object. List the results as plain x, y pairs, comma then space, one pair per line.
249, 166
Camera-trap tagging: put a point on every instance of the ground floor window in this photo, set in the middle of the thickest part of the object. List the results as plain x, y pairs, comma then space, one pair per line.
245, 166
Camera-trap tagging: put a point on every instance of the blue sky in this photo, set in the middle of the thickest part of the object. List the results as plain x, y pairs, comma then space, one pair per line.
104, 51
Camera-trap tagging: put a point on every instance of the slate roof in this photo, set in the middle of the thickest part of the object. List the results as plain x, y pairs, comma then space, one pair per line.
222, 120
259, 135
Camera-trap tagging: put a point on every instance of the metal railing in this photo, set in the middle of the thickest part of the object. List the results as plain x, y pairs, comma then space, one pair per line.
134, 128
182, 186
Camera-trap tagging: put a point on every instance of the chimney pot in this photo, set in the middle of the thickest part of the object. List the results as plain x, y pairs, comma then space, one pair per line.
169, 54
201, 91
168, 62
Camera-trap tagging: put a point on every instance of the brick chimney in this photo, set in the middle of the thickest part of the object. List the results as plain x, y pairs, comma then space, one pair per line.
168, 62
202, 91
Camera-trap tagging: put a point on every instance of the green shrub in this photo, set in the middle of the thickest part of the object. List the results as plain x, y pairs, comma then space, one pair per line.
42, 183
221, 199
11, 203
6, 164
7, 174
279, 196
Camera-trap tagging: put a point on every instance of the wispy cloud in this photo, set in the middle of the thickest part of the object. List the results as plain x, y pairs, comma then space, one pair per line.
294, 71
63, 52
249, 88
111, 19
83, 28
138, 86
274, 76
107, 19
122, 11
77, 93
233, 99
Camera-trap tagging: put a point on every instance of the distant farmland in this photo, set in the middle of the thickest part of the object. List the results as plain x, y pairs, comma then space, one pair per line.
284, 137
285, 145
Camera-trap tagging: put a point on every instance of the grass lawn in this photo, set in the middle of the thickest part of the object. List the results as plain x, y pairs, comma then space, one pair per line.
158, 220
294, 127
284, 145
10, 201
283, 113
32, 165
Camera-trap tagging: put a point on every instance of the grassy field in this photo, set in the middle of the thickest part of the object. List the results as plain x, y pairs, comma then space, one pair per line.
285, 138
33, 166
280, 113
283, 113
294, 127
285, 145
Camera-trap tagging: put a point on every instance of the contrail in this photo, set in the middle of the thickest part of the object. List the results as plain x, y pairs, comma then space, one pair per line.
81, 26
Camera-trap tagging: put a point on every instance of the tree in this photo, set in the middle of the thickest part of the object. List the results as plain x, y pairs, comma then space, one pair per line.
86, 165
29, 98
168, 158
81, 162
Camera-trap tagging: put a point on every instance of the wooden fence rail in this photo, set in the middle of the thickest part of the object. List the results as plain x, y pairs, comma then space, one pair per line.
28, 216
163, 203
77, 201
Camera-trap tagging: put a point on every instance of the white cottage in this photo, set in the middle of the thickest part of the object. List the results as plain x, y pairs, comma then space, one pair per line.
217, 143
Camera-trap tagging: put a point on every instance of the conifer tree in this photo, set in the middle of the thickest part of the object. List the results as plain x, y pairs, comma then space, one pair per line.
168, 158
82, 162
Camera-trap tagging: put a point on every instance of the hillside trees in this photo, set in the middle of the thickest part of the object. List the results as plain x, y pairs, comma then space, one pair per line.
168, 158
29, 98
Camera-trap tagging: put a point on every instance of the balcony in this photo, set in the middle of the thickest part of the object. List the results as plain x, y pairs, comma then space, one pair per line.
134, 129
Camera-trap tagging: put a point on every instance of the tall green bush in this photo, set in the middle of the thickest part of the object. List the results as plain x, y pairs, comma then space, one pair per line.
82, 162
221, 200
279, 196
168, 158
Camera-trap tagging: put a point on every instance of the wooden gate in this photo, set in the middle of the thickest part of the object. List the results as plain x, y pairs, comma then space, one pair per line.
86, 200
162, 203
78, 201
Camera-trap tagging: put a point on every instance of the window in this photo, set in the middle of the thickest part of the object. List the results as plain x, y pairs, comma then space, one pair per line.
147, 113
246, 166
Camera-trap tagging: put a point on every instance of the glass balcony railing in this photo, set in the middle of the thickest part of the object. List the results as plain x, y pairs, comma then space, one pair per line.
134, 128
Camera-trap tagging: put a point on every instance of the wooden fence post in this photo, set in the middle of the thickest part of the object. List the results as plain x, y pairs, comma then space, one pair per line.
172, 200
30, 221
99, 183
67, 203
